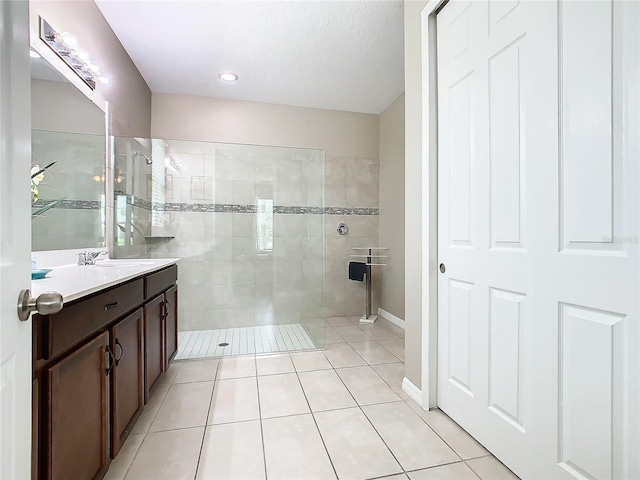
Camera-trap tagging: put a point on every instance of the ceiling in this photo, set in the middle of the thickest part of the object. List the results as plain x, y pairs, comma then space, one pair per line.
338, 55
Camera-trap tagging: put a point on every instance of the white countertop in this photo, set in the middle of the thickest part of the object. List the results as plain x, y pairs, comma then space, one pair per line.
75, 281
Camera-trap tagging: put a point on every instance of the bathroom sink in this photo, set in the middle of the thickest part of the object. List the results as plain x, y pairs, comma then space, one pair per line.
123, 263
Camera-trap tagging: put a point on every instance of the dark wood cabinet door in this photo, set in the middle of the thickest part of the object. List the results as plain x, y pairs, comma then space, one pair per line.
35, 428
153, 342
77, 416
127, 377
171, 324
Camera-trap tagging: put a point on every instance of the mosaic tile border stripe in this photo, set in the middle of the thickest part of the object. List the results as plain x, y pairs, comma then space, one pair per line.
211, 207
279, 209
70, 204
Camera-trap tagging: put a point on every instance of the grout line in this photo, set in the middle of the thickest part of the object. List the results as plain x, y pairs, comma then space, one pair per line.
206, 421
335, 370
365, 416
315, 422
434, 431
264, 451
147, 431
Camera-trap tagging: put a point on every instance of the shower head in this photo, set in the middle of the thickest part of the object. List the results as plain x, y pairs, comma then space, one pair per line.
147, 159
138, 154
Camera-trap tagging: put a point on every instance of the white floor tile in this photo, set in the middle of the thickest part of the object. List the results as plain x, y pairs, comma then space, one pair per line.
341, 355
356, 450
339, 321
232, 451
490, 468
150, 410
119, 466
294, 449
237, 367
325, 390
395, 346
186, 405
366, 386
234, 400
453, 471
412, 442
196, 371
274, 364
352, 334
281, 395
456, 437
393, 375
170, 455
308, 361
373, 353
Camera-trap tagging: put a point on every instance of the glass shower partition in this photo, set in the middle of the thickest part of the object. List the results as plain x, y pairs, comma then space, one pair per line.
247, 223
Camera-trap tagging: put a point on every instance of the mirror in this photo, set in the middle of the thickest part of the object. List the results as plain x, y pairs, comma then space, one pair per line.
68, 142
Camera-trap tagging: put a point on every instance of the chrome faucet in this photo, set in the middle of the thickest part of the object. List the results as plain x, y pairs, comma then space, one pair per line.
89, 258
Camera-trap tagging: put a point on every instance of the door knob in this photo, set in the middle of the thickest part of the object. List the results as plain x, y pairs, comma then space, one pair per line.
443, 268
47, 303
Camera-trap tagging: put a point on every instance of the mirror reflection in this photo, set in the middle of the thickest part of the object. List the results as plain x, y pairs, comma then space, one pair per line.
68, 163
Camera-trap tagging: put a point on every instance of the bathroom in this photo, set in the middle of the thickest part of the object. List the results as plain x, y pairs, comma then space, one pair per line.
262, 206
302, 239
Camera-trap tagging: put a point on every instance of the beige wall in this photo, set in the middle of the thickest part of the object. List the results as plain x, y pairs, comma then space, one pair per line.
128, 93
60, 107
341, 134
392, 206
413, 190
351, 145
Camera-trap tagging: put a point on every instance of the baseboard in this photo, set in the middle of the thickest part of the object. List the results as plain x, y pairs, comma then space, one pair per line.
397, 321
410, 389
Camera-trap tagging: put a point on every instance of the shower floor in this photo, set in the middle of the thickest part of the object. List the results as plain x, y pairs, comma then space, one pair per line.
243, 340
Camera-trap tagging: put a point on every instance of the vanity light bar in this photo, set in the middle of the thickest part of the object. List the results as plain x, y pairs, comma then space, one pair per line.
65, 45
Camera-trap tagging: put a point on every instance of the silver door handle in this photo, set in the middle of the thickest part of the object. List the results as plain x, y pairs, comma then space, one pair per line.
47, 303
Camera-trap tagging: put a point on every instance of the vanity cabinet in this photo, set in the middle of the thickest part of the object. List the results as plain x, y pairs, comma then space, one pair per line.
127, 377
78, 412
154, 342
171, 324
160, 325
94, 364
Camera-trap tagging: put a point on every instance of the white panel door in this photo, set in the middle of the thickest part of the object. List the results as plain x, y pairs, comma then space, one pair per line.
15, 241
538, 215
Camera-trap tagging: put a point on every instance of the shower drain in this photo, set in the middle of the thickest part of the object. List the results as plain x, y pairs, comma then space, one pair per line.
223, 344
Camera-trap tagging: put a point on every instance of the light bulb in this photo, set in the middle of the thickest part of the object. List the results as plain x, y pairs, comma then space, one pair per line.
94, 68
69, 39
228, 77
83, 55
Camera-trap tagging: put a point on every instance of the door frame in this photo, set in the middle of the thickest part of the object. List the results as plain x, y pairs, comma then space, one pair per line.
429, 204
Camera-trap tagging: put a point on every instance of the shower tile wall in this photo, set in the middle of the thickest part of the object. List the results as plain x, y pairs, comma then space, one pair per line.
211, 206
243, 264
350, 182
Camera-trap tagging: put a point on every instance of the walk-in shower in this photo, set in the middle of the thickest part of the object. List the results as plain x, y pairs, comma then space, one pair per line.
247, 223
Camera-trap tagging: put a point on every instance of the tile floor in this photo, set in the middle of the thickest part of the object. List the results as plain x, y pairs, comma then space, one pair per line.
338, 413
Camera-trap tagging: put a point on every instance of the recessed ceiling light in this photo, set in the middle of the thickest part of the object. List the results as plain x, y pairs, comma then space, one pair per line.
34, 54
228, 77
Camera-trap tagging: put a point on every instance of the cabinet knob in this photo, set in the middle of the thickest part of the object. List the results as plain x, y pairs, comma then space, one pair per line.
47, 303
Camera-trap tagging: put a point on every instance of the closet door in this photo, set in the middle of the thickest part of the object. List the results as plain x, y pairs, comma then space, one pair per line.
538, 119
